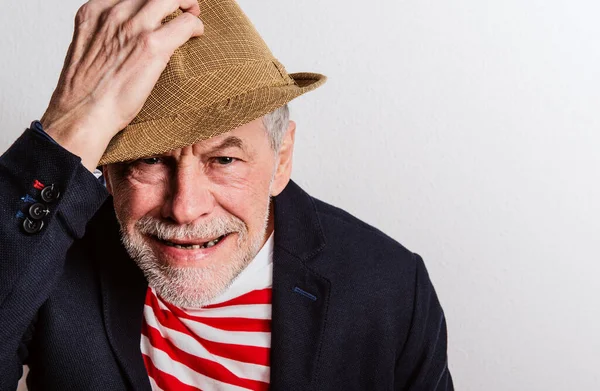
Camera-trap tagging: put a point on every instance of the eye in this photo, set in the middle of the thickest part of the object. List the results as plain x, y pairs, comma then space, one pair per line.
151, 160
224, 160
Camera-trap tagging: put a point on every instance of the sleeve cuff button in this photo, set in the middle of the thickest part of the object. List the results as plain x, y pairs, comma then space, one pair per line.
32, 226
50, 193
38, 211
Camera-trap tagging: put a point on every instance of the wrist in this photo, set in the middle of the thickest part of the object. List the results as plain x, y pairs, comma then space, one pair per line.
37, 127
80, 139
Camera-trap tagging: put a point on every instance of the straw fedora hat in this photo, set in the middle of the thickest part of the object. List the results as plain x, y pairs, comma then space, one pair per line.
212, 84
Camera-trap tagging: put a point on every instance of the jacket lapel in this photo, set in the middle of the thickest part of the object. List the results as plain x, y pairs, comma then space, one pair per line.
300, 296
123, 292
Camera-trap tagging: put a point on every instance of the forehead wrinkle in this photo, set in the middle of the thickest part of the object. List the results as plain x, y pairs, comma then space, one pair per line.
204, 147
229, 142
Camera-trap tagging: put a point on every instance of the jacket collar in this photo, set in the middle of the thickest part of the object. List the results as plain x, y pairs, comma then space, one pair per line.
300, 295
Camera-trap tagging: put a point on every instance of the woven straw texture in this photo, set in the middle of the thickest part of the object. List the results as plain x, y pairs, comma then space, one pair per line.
212, 84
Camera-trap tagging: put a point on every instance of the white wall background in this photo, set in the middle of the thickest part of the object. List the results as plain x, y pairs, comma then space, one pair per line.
468, 130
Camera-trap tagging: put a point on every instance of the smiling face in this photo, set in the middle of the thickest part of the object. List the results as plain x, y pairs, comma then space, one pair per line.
192, 219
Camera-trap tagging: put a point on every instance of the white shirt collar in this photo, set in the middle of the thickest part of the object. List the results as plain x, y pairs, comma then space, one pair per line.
257, 275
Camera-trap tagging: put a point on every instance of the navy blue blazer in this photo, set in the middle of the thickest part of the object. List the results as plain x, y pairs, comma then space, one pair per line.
71, 299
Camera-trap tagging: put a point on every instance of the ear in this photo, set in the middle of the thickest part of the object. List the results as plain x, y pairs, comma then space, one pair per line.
284, 161
105, 172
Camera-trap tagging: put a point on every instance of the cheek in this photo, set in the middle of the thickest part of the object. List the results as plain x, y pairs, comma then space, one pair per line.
133, 199
245, 194
236, 177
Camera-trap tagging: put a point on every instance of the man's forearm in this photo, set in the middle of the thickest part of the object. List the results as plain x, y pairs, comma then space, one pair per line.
46, 199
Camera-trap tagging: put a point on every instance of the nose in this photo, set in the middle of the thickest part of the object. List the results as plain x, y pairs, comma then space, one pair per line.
190, 197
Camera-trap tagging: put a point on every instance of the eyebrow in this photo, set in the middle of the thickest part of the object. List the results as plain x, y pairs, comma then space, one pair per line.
229, 142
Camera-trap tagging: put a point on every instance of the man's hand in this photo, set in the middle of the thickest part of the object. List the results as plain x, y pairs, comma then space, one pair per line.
118, 52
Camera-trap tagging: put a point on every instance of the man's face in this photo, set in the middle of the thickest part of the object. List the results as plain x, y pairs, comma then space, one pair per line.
193, 218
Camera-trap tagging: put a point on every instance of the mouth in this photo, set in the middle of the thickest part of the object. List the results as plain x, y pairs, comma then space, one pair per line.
191, 244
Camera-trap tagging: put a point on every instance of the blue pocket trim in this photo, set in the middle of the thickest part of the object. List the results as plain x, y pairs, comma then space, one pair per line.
305, 294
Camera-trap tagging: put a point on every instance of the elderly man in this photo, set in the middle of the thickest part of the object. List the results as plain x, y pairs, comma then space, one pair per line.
199, 265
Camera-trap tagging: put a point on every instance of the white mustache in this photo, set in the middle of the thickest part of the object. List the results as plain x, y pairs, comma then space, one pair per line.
215, 228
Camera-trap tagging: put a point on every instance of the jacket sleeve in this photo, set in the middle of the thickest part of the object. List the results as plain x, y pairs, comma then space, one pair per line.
423, 362
46, 199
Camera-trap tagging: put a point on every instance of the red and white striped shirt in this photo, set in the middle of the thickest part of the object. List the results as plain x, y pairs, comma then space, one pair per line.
222, 346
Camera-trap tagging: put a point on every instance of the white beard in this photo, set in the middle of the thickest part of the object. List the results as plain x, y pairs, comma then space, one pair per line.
191, 287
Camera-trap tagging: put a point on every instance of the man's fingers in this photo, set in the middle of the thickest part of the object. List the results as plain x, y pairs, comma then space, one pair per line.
154, 11
179, 30
97, 6
89, 12
86, 24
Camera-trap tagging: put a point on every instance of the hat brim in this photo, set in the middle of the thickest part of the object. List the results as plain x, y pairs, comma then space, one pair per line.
161, 135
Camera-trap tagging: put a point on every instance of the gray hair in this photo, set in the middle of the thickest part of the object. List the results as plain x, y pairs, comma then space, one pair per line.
276, 124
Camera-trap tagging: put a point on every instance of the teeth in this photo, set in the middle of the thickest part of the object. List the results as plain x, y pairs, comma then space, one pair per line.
191, 247
212, 243
194, 246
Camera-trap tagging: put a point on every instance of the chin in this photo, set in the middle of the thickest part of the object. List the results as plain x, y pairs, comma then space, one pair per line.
193, 282
190, 287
